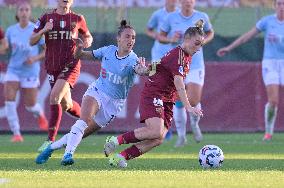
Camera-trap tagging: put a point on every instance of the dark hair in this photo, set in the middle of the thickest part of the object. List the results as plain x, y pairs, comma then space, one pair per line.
123, 25
198, 29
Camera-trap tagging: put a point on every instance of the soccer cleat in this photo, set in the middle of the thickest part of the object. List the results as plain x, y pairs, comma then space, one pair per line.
44, 156
267, 137
17, 138
181, 141
118, 160
44, 146
197, 135
42, 122
110, 145
67, 159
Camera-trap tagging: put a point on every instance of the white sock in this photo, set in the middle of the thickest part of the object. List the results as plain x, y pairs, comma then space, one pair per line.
180, 119
61, 143
270, 117
12, 117
75, 137
36, 109
194, 120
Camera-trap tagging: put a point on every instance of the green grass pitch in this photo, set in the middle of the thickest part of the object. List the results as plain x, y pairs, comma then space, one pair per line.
249, 163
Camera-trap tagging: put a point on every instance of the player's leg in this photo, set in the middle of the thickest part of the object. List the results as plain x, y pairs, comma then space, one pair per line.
11, 86
180, 118
271, 77
89, 108
194, 91
271, 110
30, 91
70, 106
120, 159
59, 90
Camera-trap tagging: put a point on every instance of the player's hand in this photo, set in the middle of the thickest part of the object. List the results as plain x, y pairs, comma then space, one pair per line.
48, 26
222, 51
176, 38
79, 42
196, 111
142, 61
30, 60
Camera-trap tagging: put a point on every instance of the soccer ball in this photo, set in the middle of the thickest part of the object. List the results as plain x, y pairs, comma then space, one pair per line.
211, 156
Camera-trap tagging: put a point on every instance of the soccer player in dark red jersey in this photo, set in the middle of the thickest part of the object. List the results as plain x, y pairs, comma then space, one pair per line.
59, 26
157, 99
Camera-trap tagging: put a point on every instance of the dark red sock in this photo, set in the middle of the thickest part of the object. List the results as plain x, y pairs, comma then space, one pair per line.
75, 110
54, 121
126, 138
131, 152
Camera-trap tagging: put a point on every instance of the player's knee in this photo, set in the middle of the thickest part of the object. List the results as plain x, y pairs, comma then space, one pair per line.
66, 106
158, 142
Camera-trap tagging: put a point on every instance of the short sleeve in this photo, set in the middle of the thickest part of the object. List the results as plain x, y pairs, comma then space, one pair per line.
39, 25
100, 53
207, 23
166, 24
83, 26
261, 24
153, 21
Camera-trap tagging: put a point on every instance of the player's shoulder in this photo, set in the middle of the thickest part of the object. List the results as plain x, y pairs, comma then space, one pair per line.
78, 15
200, 13
11, 27
133, 56
268, 17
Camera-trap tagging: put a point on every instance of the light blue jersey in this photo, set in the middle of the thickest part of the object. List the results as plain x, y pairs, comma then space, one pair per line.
155, 22
273, 37
18, 39
177, 23
117, 73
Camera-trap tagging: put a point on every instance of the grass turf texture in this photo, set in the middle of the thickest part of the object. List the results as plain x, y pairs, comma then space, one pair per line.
249, 162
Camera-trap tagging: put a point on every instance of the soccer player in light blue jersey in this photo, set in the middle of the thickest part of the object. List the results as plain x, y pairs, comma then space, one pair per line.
273, 60
23, 71
153, 29
172, 32
105, 97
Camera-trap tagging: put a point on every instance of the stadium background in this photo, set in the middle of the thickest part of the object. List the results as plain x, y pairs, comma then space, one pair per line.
234, 96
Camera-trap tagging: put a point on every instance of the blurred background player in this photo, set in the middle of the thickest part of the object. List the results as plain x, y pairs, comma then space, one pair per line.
273, 60
172, 32
153, 29
3, 42
23, 71
156, 102
105, 97
59, 26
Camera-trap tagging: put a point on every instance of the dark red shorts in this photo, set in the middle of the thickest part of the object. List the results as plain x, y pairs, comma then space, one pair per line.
70, 74
148, 109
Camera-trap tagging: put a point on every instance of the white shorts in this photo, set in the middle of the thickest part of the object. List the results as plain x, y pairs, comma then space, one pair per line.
109, 107
273, 71
25, 82
195, 76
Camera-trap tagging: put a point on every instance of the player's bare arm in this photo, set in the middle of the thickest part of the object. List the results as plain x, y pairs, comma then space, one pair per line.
140, 68
180, 87
37, 36
80, 53
3, 46
87, 39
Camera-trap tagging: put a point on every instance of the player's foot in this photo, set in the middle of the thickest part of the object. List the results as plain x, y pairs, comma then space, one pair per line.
181, 141
267, 137
17, 138
67, 159
42, 122
197, 135
44, 156
44, 146
110, 145
118, 160
169, 135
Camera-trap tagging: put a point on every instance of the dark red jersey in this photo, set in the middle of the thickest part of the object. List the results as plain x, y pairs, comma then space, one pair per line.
59, 44
160, 83
1, 33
